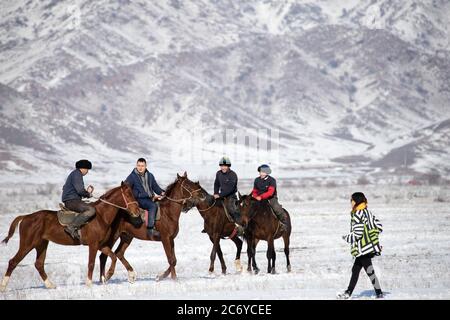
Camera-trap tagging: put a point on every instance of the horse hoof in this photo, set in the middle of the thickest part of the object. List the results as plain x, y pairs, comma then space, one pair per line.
104, 280
4, 284
273, 271
49, 284
89, 283
256, 271
132, 276
289, 268
237, 265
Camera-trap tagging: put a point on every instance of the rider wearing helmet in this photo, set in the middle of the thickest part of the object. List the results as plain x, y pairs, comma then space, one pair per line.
225, 187
265, 187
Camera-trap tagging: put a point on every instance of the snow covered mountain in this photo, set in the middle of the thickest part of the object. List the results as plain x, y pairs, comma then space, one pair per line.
351, 86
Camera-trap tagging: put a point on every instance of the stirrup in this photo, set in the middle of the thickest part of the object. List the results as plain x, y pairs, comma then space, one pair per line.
152, 232
72, 232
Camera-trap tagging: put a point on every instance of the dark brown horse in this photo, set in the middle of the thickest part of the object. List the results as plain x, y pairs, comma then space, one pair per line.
38, 228
217, 226
179, 195
261, 224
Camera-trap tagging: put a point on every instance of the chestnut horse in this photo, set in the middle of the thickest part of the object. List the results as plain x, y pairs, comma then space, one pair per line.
218, 226
38, 228
179, 195
261, 224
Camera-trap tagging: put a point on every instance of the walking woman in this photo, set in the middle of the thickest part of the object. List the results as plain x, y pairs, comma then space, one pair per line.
363, 238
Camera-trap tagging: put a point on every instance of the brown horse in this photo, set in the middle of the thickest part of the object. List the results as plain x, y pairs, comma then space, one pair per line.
38, 228
179, 195
218, 226
261, 224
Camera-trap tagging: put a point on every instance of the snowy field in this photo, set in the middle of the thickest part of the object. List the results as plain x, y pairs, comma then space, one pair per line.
415, 263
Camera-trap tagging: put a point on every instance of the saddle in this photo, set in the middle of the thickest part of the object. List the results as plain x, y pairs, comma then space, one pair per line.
66, 216
144, 214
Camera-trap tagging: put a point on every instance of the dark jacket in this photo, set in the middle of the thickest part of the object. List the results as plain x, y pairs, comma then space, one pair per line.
265, 188
74, 189
226, 183
138, 189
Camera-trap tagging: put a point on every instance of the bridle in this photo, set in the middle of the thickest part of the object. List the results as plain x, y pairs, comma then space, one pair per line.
182, 201
213, 204
127, 204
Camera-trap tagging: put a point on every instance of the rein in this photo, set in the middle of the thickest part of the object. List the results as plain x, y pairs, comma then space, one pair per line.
214, 203
127, 204
183, 200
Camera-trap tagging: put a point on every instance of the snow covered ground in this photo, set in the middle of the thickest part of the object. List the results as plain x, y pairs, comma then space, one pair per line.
415, 263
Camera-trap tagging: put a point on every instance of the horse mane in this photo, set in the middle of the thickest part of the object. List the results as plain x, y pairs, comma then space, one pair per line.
171, 186
106, 195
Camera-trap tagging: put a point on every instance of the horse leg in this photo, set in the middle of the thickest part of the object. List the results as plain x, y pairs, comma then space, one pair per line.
168, 250
215, 240
237, 261
286, 251
173, 273
91, 264
249, 254
120, 253
107, 251
41, 251
21, 253
270, 256
255, 267
222, 261
102, 258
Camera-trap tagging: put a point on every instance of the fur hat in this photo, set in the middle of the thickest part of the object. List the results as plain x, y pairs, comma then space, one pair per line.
83, 164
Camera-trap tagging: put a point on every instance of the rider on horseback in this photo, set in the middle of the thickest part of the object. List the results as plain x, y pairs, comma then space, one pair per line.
265, 187
225, 187
73, 192
144, 187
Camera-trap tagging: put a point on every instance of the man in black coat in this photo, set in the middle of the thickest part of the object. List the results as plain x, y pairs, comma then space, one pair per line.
144, 187
225, 187
72, 194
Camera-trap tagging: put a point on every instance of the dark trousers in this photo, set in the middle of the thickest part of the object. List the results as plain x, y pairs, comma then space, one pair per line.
151, 207
233, 210
365, 262
81, 207
277, 208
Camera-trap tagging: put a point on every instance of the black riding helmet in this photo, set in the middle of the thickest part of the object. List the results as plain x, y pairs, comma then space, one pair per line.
225, 161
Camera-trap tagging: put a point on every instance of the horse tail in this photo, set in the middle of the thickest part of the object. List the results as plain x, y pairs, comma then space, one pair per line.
12, 228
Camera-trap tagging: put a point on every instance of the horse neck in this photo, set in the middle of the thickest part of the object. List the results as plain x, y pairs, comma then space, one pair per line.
107, 212
173, 207
203, 205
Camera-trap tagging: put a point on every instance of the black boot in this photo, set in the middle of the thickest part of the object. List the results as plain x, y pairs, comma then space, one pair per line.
73, 232
379, 294
76, 224
282, 219
151, 232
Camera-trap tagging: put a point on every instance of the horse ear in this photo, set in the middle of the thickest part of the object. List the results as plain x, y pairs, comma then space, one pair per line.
121, 184
240, 195
178, 176
185, 174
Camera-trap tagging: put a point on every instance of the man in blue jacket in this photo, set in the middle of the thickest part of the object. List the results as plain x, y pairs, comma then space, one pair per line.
144, 188
72, 194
